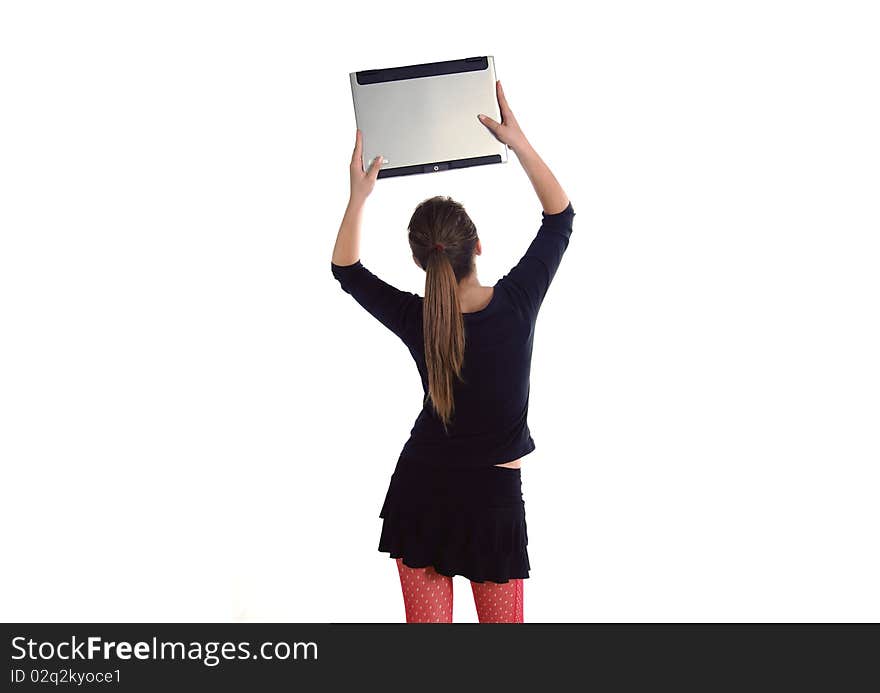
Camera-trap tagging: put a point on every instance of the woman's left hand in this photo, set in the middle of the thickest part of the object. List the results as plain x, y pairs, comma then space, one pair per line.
362, 182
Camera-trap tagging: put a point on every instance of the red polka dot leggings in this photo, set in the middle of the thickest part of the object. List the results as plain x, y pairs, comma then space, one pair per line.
427, 597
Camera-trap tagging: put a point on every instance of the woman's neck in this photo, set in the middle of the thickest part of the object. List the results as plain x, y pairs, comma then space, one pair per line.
472, 296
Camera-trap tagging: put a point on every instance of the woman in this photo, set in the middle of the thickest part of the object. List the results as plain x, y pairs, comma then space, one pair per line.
454, 504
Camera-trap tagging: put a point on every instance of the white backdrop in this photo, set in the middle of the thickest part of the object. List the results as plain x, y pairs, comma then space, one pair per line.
197, 424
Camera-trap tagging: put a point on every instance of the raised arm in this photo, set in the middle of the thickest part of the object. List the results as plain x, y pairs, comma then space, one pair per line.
394, 308
530, 278
550, 193
398, 310
347, 249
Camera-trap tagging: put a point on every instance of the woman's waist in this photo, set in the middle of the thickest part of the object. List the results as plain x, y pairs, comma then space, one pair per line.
480, 486
473, 449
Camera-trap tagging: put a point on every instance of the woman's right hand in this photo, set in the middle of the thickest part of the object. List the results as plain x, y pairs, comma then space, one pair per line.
508, 130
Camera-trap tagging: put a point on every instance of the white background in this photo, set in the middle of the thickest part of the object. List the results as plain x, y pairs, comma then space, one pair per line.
197, 424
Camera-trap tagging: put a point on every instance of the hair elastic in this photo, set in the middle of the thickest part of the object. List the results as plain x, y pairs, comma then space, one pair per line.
439, 246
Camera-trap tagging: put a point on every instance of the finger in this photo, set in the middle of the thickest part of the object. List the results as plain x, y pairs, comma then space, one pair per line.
502, 102
489, 123
375, 166
358, 146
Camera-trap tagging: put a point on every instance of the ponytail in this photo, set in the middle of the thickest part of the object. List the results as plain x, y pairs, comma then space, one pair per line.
443, 331
443, 240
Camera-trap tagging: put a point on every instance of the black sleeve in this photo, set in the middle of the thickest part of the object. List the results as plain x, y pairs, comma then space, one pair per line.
531, 277
396, 309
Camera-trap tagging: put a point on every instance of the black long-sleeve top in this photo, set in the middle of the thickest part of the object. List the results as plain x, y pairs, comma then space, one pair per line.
489, 424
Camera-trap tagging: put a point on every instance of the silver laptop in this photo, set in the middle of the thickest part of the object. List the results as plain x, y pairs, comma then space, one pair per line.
423, 118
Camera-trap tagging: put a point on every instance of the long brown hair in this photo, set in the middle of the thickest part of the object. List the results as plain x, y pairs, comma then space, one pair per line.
443, 240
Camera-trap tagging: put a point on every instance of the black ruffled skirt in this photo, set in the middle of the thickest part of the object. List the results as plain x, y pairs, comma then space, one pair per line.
468, 522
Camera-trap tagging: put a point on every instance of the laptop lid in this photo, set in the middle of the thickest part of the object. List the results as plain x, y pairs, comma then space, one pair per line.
423, 118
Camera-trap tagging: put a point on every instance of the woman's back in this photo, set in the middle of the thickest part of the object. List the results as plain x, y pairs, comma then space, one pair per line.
489, 424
